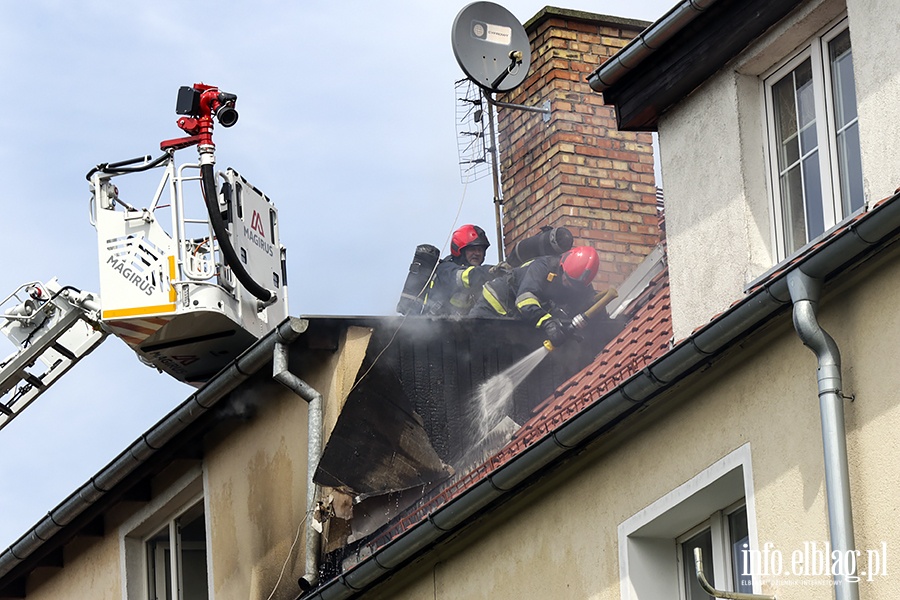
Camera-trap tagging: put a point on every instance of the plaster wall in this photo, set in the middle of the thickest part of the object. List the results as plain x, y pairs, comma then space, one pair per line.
719, 217
709, 242
559, 539
346, 368
876, 59
91, 571
255, 486
255, 480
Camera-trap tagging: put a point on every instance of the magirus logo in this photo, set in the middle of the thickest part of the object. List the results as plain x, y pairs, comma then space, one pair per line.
256, 234
137, 260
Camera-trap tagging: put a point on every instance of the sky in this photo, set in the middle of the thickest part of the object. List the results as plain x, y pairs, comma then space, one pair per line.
347, 122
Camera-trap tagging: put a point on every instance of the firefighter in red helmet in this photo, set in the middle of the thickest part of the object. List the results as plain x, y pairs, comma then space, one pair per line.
468, 244
546, 292
458, 278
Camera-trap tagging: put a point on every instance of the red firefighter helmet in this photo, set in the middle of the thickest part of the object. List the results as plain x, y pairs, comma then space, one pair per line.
467, 235
580, 264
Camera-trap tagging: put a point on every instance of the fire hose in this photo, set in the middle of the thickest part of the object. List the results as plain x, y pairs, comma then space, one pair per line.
208, 180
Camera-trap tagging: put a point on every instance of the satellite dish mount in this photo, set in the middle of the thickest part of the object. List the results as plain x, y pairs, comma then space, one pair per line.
515, 57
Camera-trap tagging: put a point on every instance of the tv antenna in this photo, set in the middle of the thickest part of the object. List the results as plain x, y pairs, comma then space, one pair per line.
493, 50
472, 131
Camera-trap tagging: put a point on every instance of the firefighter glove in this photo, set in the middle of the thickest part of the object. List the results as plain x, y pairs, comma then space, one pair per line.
556, 332
501, 268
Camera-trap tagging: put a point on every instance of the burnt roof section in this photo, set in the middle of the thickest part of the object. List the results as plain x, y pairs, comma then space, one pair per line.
646, 337
647, 77
415, 401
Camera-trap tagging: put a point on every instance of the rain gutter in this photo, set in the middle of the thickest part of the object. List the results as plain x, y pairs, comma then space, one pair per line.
197, 405
847, 244
315, 423
646, 44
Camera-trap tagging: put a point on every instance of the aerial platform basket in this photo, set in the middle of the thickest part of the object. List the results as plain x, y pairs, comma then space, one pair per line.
166, 289
189, 282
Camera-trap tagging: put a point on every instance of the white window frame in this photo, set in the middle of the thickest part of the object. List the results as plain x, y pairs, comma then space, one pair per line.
649, 568
722, 544
176, 548
162, 511
816, 50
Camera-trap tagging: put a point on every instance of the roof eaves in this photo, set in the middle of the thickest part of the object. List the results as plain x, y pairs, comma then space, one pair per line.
675, 55
499, 480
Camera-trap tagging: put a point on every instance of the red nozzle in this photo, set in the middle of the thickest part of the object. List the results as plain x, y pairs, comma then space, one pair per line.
201, 103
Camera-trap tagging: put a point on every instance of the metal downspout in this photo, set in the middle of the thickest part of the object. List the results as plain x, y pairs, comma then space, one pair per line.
805, 292
315, 419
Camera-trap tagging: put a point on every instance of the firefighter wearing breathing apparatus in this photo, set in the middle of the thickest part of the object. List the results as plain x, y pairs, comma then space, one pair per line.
458, 278
546, 292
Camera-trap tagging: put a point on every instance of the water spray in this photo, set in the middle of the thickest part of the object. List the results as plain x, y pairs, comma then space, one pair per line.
494, 395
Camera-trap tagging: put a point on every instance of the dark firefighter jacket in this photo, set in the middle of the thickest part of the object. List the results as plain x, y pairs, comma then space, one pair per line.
455, 287
534, 292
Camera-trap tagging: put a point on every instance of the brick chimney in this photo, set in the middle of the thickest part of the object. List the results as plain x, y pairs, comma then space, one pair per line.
577, 170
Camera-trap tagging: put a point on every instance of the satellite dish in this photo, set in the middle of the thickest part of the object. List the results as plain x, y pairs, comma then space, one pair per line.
491, 46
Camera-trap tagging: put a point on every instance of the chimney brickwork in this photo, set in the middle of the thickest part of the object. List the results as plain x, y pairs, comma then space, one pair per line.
577, 170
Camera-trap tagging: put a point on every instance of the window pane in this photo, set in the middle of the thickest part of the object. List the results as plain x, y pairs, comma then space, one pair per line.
812, 191
702, 540
740, 542
786, 123
192, 529
850, 168
806, 107
845, 119
842, 80
792, 209
190, 550
793, 100
159, 576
